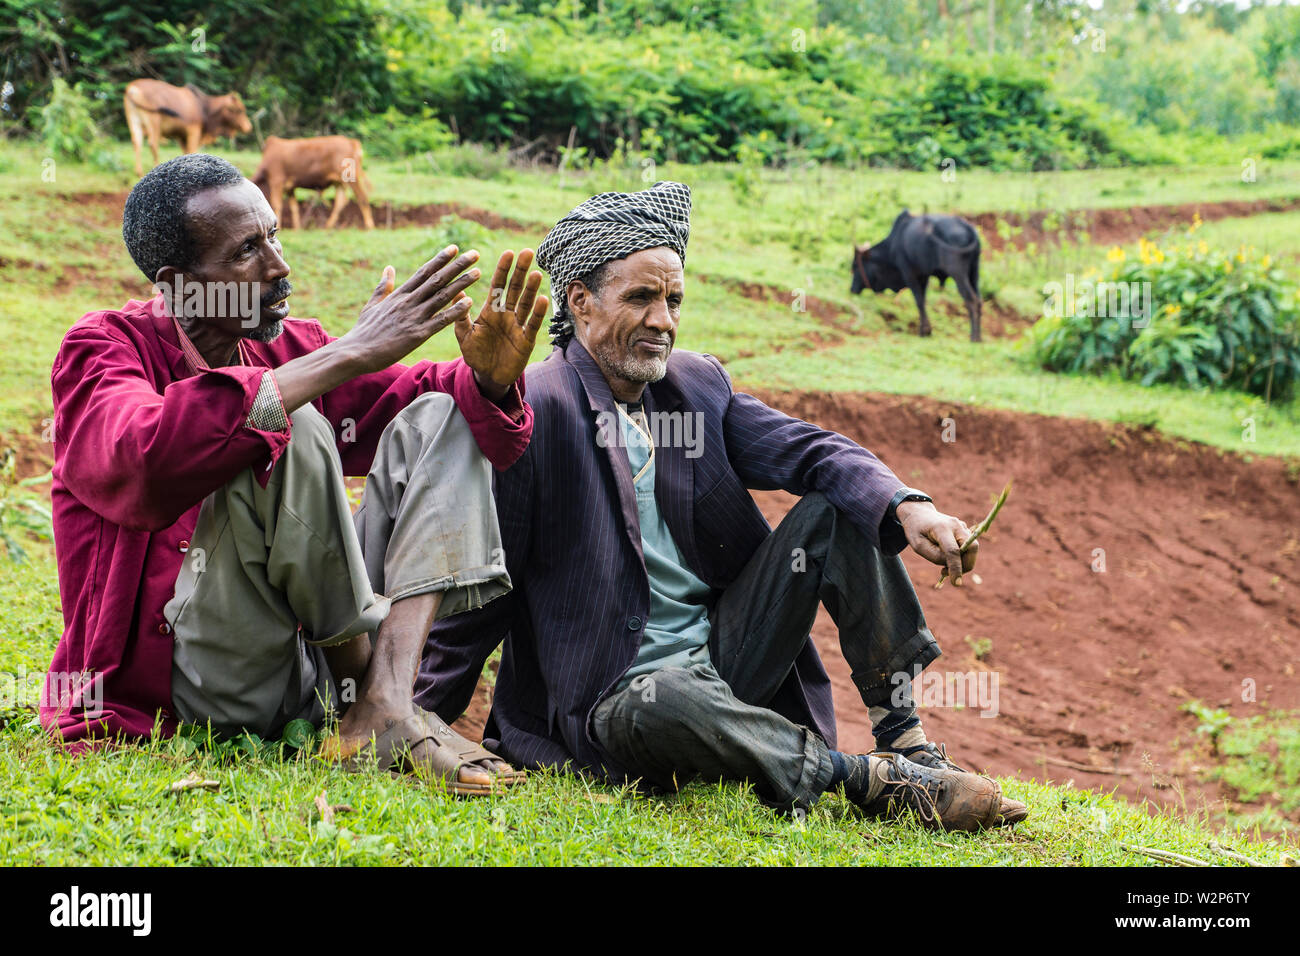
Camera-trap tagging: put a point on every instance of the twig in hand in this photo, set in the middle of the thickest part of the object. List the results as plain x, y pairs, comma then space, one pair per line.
1164, 855
194, 782
979, 530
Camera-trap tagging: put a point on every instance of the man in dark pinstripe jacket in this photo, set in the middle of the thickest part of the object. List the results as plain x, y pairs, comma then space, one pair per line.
658, 627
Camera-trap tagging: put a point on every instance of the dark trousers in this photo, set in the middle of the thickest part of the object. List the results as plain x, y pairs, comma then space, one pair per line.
712, 720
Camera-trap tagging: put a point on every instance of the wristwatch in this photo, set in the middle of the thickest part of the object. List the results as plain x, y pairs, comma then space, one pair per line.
904, 494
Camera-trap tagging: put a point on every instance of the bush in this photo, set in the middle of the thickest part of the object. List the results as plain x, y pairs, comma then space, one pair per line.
1216, 319
394, 134
67, 127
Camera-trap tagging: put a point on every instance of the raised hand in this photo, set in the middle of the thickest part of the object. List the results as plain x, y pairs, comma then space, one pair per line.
498, 343
397, 321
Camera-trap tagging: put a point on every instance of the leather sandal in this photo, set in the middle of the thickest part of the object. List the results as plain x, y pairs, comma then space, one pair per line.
449, 752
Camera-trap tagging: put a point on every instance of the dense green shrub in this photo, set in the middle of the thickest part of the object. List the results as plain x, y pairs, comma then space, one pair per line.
394, 134
66, 126
874, 82
1217, 319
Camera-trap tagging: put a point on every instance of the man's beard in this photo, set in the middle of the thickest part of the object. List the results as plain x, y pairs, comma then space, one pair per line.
633, 369
279, 289
266, 333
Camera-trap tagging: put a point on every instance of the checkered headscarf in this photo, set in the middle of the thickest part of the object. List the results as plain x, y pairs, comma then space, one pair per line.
607, 227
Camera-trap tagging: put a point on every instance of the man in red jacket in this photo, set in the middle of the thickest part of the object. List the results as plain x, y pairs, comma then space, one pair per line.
209, 567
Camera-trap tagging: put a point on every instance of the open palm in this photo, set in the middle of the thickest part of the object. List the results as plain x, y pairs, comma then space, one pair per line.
498, 344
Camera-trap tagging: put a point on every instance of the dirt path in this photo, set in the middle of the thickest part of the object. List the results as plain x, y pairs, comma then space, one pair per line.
1112, 225
1200, 592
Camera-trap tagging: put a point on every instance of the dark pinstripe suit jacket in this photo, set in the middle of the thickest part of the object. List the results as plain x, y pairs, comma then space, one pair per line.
572, 540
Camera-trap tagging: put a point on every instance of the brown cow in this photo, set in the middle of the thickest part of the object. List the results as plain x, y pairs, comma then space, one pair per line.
183, 113
314, 163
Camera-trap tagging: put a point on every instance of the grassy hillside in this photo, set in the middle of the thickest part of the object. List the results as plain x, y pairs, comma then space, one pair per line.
790, 233
116, 808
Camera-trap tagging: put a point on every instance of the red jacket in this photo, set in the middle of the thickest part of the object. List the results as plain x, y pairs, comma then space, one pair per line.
140, 439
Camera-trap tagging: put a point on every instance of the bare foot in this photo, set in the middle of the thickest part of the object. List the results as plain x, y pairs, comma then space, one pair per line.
366, 721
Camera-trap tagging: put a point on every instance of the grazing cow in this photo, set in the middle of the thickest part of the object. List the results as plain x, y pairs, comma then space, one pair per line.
183, 113
314, 163
919, 247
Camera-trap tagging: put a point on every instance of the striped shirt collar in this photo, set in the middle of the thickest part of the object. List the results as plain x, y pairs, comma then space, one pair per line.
195, 359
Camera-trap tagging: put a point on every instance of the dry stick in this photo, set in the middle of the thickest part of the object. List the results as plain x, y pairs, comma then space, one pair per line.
1219, 848
1164, 855
194, 782
1085, 768
979, 530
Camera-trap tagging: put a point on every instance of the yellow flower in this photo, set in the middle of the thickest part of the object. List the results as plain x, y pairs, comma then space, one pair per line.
1202, 247
1266, 262
1173, 309
1115, 255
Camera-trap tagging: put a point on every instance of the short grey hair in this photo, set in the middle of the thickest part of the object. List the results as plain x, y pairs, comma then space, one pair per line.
155, 223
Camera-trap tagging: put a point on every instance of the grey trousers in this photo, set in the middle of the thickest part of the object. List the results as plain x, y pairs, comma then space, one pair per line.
713, 720
274, 574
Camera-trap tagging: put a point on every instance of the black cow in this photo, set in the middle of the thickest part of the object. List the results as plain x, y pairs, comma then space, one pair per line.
919, 247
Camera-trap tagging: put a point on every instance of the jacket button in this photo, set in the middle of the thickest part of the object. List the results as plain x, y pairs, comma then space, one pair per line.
164, 628
183, 547
634, 624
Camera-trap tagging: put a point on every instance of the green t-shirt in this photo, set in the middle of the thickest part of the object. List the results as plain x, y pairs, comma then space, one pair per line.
677, 631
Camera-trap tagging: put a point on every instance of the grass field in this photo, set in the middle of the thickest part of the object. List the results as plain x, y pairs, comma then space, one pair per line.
117, 807
790, 232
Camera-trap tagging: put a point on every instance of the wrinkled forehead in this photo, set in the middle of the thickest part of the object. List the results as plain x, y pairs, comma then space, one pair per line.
659, 267
229, 213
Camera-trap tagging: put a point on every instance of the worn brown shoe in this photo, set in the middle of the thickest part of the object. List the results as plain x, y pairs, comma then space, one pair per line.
935, 756
1012, 812
942, 799
932, 755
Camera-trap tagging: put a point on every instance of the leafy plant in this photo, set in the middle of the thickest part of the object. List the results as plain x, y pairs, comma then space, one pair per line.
1221, 320
66, 125
1213, 722
22, 513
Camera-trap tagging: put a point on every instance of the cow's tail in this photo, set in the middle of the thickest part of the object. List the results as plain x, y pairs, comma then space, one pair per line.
973, 245
362, 178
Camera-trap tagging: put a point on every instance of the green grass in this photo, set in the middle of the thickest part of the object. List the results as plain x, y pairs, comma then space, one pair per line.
115, 807
997, 375
1261, 763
